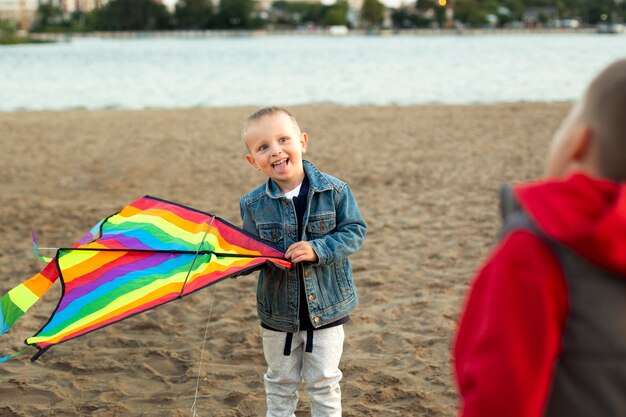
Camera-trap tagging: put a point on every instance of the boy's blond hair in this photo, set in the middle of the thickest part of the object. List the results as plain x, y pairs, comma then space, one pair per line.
266, 111
604, 111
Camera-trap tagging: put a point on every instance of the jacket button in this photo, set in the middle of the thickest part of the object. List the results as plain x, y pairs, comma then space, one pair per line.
316, 319
289, 234
311, 297
307, 273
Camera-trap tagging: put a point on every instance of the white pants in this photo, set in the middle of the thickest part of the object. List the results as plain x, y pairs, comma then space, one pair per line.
319, 370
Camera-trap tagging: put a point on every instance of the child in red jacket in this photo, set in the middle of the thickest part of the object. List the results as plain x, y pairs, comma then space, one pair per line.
544, 328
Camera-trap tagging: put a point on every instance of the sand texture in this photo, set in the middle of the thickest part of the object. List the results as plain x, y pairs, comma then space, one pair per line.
425, 178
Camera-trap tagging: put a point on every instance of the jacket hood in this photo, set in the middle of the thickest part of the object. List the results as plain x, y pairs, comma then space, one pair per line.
584, 213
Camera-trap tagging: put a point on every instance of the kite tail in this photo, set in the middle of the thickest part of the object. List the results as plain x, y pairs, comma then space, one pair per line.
14, 354
37, 255
17, 301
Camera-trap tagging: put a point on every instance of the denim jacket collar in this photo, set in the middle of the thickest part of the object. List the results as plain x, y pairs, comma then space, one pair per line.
317, 181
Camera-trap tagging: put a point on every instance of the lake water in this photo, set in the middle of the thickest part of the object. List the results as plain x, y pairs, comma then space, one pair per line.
286, 70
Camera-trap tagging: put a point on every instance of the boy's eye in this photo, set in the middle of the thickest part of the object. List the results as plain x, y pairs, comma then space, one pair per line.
262, 147
283, 139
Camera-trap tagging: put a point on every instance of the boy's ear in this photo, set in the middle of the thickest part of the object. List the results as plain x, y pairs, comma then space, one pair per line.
582, 143
584, 151
252, 162
304, 140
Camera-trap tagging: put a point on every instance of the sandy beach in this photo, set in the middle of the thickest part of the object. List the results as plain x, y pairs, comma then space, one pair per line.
425, 178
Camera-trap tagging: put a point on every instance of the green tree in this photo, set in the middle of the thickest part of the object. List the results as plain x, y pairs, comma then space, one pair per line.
49, 17
133, 15
193, 14
474, 12
337, 14
470, 12
405, 18
8, 32
597, 9
235, 14
372, 13
423, 5
78, 21
515, 9
297, 12
440, 15
402, 18
91, 20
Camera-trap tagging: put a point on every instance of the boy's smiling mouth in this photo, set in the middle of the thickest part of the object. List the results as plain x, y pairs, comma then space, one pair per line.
281, 165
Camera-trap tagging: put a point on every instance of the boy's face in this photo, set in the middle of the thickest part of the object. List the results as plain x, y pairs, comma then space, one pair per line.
275, 147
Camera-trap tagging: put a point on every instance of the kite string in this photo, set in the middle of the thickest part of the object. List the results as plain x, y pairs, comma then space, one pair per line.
206, 332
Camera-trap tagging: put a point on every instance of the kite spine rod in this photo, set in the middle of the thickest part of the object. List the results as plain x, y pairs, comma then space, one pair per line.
177, 252
180, 294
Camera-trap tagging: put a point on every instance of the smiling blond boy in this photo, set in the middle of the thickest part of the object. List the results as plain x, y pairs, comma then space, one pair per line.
314, 218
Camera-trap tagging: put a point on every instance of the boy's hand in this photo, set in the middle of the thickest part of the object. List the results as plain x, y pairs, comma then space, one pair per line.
301, 251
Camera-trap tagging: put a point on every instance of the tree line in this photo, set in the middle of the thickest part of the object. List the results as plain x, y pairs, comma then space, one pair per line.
146, 15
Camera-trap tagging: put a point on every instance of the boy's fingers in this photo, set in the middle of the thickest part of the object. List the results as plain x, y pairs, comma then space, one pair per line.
298, 259
289, 252
293, 248
294, 254
300, 251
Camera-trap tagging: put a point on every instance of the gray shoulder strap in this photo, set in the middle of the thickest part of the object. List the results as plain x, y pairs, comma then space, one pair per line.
513, 215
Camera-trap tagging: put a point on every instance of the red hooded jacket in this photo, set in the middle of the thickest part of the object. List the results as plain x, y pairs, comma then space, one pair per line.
509, 337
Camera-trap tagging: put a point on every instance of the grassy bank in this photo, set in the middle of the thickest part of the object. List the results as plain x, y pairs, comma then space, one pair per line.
20, 40
9, 35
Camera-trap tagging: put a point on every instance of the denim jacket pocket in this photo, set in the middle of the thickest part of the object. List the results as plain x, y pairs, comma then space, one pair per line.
271, 232
344, 277
321, 224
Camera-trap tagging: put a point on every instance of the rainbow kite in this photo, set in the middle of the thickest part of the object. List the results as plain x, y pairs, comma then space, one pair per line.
151, 252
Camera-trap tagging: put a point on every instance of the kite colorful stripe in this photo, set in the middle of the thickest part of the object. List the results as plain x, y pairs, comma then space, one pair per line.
17, 301
151, 252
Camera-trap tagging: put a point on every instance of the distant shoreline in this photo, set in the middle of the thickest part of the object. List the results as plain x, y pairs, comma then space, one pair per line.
316, 32
316, 105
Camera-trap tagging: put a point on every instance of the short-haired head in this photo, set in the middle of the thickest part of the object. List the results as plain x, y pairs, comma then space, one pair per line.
264, 112
603, 109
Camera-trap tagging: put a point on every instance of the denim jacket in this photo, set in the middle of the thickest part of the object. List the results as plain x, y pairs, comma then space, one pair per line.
335, 229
